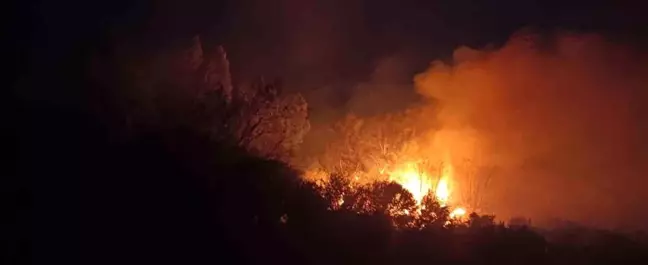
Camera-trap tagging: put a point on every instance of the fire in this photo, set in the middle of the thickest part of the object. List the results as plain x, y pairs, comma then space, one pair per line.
458, 213
413, 180
415, 177
418, 183
442, 192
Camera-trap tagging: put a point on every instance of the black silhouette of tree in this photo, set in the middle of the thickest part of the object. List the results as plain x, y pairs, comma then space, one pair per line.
433, 214
335, 190
480, 221
194, 90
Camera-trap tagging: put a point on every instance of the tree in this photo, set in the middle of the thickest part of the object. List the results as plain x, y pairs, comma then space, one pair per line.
270, 124
335, 190
392, 199
477, 176
258, 117
480, 221
433, 215
382, 198
365, 145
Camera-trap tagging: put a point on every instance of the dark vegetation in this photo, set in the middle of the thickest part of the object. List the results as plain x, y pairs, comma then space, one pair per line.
169, 177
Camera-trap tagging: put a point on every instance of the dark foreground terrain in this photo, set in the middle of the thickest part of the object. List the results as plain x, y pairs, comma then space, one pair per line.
85, 196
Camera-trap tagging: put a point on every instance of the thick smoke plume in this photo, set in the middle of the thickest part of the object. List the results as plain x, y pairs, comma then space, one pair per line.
562, 118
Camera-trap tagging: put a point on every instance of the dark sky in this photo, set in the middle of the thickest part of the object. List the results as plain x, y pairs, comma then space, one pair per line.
309, 43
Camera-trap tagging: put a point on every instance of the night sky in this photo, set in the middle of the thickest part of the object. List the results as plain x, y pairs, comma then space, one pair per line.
310, 44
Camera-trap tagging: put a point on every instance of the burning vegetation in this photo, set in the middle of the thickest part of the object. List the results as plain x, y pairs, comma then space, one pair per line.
394, 160
413, 193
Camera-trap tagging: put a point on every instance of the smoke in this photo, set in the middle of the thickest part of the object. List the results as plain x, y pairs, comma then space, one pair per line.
388, 90
562, 117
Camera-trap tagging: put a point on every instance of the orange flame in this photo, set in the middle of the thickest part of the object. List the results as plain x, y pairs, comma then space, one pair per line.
442, 191
414, 181
458, 213
418, 183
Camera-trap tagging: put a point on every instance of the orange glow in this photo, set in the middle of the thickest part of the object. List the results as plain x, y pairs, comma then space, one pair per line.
442, 191
458, 213
413, 180
411, 176
373, 150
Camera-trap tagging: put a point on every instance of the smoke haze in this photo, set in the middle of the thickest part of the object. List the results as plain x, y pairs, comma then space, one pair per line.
562, 117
